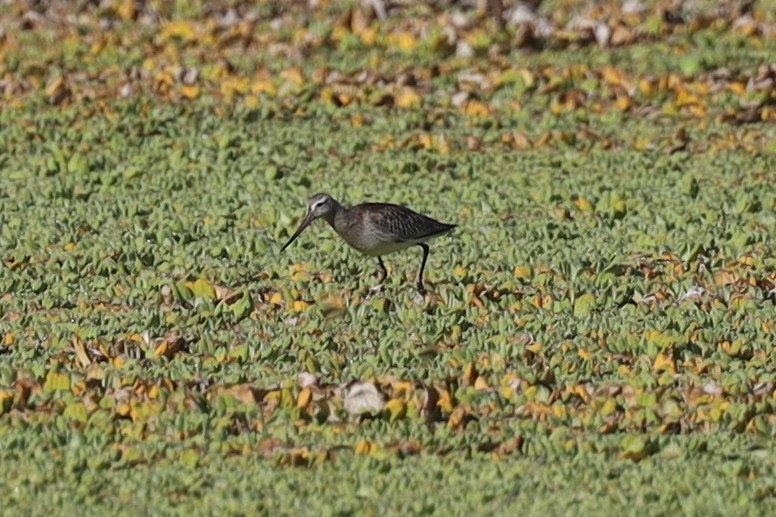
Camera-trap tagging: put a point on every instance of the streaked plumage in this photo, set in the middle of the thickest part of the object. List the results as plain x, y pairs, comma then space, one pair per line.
375, 229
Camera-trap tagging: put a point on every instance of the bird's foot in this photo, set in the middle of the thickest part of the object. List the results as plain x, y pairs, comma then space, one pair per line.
422, 294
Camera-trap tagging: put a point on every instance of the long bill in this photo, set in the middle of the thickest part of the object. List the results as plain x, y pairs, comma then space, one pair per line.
305, 223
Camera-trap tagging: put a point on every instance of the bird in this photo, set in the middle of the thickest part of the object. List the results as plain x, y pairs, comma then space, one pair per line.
375, 229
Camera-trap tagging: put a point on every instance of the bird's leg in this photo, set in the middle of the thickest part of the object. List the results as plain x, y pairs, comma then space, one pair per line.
383, 271
381, 278
419, 284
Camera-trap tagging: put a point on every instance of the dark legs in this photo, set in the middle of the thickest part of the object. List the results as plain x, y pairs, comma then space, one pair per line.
383, 272
422, 267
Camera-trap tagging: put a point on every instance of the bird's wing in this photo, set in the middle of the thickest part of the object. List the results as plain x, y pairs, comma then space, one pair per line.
402, 223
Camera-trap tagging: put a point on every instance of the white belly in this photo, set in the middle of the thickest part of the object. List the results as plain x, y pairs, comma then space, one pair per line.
376, 243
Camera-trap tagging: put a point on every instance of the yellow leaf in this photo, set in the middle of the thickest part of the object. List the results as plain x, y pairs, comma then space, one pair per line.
477, 108
580, 391
522, 272
560, 411
534, 347
541, 302
80, 352
264, 86
426, 140
507, 392
190, 91
408, 98
127, 10
123, 409
6, 401
445, 401
357, 120
300, 305
457, 418
469, 374
685, 98
397, 408
368, 36
54, 86
401, 388
300, 275
698, 110
746, 260
178, 29
154, 391
161, 349
403, 40
609, 407
584, 204
276, 299
664, 362
481, 384
202, 288
304, 398
167, 348
623, 103
527, 76
642, 143
164, 80
57, 90
739, 88
614, 76
9, 339
57, 382
363, 447
293, 75
647, 87
234, 85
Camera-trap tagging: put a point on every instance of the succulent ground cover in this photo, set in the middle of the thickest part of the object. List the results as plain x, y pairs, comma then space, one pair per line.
600, 334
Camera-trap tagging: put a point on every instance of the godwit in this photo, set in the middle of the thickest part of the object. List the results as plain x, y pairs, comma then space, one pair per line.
375, 229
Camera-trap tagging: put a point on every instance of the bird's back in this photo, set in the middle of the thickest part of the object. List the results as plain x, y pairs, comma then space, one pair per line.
381, 228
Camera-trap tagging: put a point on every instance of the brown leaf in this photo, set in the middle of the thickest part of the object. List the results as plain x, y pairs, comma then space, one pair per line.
244, 393
57, 90
407, 447
169, 345
469, 374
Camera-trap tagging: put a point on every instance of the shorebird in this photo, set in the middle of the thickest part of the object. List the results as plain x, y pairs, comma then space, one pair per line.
375, 229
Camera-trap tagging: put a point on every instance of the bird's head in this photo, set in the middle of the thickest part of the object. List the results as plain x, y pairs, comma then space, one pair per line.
319, 206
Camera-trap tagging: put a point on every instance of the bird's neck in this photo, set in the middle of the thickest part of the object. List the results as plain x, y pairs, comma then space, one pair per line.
332, 216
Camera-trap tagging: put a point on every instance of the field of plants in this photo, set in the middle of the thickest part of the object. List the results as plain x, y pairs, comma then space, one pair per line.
599, 334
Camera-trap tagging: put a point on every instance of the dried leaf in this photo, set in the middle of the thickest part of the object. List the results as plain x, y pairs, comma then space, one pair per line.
363, 398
